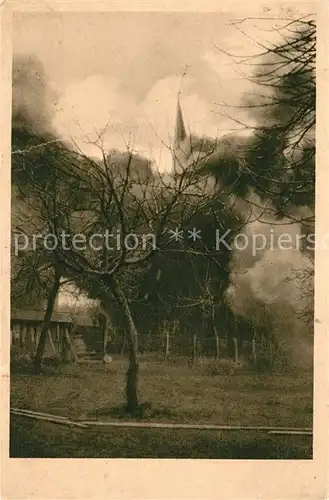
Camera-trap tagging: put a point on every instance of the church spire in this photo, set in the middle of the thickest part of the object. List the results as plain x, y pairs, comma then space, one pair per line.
179, 155
180, 132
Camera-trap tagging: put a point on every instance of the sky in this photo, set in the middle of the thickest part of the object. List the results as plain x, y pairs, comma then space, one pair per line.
122, 72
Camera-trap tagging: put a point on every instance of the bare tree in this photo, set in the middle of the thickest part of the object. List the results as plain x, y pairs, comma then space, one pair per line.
134, 218
42, 201
277, 161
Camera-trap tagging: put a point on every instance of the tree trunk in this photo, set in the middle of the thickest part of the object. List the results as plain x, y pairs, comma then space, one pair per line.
46, 325
132, 335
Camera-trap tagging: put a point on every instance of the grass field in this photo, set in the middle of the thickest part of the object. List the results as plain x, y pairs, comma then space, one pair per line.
176, 393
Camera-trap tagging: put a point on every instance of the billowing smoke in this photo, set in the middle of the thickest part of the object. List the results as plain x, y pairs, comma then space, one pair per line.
272, 280
33, 99
272, 261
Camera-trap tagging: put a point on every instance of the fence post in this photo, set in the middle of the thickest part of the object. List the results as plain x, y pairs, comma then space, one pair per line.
38, 333
194, 354
236, 351
253, 347
217, 342
58, 337
167, 342
215, 331
29, 343
123, 344
22, 336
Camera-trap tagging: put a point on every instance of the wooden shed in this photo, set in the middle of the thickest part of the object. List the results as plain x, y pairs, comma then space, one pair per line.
69, 337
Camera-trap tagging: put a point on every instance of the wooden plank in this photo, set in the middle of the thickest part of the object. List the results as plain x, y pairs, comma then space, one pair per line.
292, 432
55, 420
69, 340
162, 425
52, 345
210, 427
32, 412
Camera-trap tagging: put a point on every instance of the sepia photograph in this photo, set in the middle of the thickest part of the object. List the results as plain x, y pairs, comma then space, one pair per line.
163, 234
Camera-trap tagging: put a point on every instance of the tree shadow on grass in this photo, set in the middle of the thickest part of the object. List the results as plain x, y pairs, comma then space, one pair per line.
51, 367
145, 411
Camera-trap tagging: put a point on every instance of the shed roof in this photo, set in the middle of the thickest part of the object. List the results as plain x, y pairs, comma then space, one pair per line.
57, 317
38, 315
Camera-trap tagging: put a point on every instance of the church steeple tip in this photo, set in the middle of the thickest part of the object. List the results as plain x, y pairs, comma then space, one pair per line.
180, 131
179, 145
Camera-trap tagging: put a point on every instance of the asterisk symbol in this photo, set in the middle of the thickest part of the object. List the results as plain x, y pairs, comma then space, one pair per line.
176, 234
194, 234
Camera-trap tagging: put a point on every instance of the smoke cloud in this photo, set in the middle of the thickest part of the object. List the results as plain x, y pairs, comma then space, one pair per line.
33, 99
273, 285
